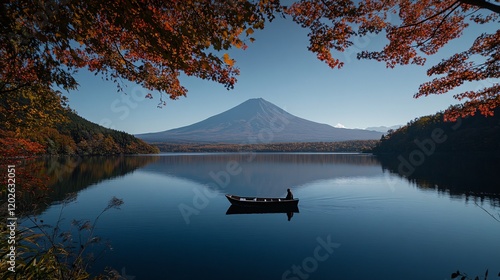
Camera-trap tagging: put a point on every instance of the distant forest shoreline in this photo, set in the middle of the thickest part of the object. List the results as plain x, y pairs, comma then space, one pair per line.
355, 146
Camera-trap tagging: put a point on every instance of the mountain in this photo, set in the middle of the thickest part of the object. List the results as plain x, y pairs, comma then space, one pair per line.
257, 121
383, 129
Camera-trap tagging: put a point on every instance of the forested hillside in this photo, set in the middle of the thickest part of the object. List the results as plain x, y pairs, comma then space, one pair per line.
431, 134
86, 138
37, 121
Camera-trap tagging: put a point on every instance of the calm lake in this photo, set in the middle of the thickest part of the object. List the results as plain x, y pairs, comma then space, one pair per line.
358, 218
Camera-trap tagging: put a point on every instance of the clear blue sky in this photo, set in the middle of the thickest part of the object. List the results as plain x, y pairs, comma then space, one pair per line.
279, 68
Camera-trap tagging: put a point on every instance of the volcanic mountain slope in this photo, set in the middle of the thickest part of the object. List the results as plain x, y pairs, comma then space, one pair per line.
257, 121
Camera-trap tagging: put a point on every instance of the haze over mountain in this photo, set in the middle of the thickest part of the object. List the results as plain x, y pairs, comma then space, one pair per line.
257, 121
383, 129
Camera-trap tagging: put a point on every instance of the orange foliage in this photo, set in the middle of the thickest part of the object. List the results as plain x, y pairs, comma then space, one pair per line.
42, 43
13, 147
147, 42
19, 152
414, 29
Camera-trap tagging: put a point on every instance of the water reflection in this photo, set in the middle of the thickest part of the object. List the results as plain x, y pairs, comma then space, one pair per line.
268, 174
67, 175
262, 174
469, 177
342, 196
289, 210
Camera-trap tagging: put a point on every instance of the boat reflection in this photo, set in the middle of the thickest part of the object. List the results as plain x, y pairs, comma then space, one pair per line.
289, 210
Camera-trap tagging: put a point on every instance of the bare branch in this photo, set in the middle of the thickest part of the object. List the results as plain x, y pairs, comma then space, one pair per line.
483, 4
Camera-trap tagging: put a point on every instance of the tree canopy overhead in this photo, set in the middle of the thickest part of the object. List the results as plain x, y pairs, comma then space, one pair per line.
143, 41
414, 29
43, 42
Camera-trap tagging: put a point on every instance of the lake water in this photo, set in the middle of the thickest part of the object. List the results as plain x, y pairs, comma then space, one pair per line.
358, 218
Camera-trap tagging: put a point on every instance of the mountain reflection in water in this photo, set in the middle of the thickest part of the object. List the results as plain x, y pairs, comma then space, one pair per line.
263, 174
270, 174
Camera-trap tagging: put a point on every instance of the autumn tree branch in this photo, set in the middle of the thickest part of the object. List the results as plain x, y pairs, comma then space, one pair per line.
439, 26
483, 4
433, 16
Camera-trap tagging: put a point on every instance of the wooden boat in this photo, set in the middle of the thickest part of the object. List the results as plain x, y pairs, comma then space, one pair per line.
261, 201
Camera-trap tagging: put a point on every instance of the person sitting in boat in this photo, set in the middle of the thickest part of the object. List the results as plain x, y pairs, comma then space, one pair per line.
289, 194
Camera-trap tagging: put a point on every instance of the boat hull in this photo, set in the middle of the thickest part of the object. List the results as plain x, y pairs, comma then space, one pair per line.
262, 202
